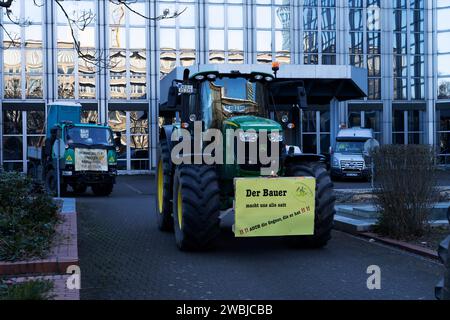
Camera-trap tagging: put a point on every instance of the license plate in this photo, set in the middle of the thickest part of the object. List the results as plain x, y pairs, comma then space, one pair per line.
352, 174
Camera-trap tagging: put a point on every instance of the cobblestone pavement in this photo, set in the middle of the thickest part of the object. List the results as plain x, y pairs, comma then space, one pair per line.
124, 256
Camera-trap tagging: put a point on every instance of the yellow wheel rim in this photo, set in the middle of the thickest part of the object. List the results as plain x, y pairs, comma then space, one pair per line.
179, 208
160, 186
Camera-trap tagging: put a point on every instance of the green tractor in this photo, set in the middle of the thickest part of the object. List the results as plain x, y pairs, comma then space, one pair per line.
193, 195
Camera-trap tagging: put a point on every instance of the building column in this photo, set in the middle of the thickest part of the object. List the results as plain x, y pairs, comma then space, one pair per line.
153, 87
50, 53
203, 52
249, 35
386, 69
102, 79
431, 125
295, 33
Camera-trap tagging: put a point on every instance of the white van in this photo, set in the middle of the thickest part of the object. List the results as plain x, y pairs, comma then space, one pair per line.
347, 156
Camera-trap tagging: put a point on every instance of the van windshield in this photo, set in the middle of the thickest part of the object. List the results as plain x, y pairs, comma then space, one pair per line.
350, 147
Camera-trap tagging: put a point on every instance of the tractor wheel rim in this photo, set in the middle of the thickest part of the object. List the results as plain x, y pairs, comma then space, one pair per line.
160, 186
180, 208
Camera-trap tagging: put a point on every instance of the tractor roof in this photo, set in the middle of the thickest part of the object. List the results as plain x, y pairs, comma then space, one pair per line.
322, 82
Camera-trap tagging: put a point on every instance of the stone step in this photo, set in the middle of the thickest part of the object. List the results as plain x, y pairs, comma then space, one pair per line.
369, 211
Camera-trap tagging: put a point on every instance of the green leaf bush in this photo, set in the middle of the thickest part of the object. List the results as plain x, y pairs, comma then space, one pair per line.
28, 218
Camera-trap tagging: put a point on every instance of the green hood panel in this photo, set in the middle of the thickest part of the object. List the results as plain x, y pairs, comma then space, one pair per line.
253, 122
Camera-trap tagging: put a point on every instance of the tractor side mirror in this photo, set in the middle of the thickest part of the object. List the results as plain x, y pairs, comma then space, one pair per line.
301, 98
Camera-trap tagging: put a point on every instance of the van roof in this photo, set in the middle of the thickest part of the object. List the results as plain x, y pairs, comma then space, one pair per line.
355, 132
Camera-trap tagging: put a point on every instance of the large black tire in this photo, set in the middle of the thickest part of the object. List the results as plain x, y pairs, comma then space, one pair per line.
325, 199
103, 189
196, 200
164, 189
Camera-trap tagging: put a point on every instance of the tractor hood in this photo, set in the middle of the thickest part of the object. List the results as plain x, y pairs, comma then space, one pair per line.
253, 122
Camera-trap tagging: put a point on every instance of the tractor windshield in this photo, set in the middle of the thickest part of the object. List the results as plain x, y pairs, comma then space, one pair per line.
89, 136
228, 97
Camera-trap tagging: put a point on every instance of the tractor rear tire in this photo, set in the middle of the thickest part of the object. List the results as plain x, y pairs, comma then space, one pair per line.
103, 189
324, 204
164, 189
196, 207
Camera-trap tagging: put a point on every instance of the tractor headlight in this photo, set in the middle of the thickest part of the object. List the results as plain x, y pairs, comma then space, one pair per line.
246, 136
276, 136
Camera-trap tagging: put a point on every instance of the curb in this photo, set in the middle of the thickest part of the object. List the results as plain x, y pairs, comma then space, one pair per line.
425, 252
62, 255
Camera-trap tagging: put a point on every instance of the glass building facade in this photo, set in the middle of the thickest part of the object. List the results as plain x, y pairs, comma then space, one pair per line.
404, 44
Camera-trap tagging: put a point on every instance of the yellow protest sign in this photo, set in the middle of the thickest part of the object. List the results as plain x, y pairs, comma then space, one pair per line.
274, 206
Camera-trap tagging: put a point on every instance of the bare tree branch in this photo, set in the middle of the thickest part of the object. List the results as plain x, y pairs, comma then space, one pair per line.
6, 4
78, 22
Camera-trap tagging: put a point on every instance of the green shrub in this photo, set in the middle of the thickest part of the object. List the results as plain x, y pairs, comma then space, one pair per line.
27, 290
28, 218
405, 185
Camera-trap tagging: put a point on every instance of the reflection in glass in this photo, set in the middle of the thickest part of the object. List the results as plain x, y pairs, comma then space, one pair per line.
168, 60
66, 62
138, 71
139, 122
33, 87
66, 87
140, 164
89, 116
34, 63
86, 86
33, 36
35, 122
354, 119
86, 38
65, 39
12, 148
310, 42
374, 89
12, 122
117, 74
139, 146
400, 85
444, 88
444, 64
12, 60
417, 88
13, 87
118, 39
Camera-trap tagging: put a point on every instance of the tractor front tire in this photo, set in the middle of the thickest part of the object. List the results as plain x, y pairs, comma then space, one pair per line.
164, 190
324, 204
196, 207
